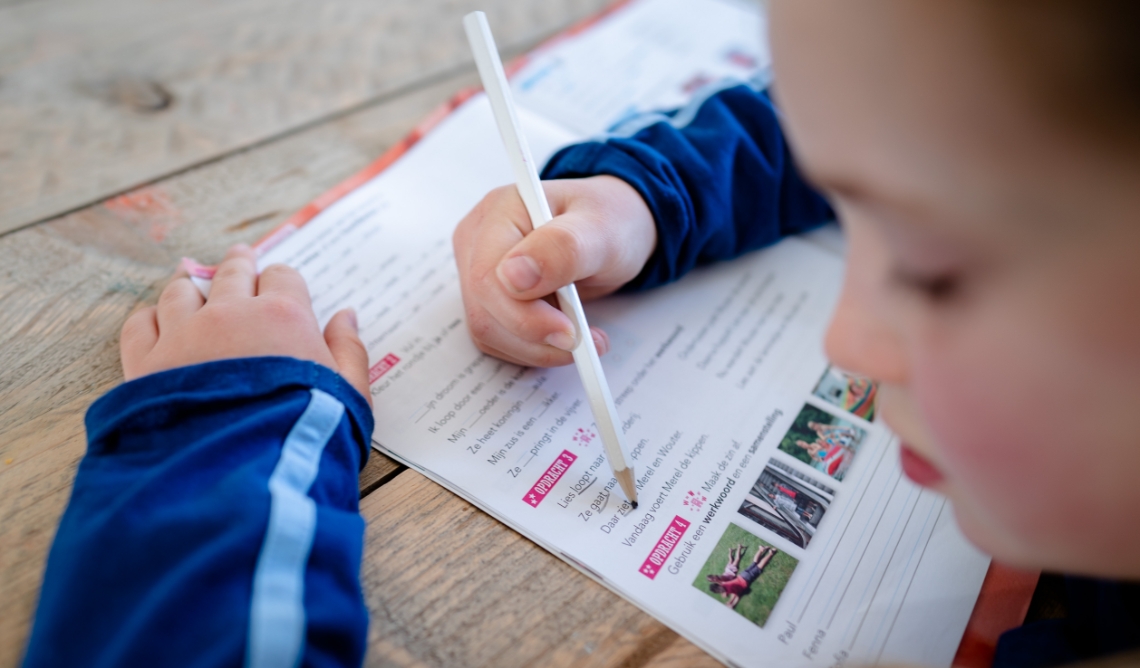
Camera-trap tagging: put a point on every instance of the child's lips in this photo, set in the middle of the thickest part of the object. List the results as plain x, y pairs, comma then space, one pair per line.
918, 468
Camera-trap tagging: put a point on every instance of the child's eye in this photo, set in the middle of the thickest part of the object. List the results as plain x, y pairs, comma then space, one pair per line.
939, 287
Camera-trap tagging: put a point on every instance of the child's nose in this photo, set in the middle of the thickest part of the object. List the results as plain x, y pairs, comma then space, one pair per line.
859, 339
858, 343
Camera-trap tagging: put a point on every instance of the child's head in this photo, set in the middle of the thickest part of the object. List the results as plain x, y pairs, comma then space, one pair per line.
984, 157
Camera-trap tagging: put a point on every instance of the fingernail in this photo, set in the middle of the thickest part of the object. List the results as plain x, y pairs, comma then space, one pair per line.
562, 341
352, 319
601, 343
520, 273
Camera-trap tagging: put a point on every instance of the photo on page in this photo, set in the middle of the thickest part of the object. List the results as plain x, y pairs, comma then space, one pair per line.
847, 392
746, 574
788, 503
823, 441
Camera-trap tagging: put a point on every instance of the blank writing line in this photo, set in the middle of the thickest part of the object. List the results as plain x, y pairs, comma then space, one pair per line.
841, 535
884, 575
900, 605
874, 511
866, 547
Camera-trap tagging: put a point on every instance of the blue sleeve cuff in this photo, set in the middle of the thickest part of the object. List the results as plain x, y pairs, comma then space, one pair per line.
648, 174
718, 177
165, 397
172, 507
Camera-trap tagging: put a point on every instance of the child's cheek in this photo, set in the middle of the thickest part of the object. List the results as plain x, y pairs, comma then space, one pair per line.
994, 421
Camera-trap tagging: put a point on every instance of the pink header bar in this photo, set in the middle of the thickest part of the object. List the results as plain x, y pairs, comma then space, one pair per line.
382, 367
552, 475
664, 547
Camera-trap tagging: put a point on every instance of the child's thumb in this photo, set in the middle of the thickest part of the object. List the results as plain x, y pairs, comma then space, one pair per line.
348, 351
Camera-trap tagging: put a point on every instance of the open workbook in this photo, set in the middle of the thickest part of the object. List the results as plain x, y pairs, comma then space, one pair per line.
775, 526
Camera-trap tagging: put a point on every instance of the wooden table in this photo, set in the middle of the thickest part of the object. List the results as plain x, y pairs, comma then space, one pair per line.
133, 133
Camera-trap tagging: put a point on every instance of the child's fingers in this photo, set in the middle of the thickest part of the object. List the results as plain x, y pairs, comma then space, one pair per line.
137, 338
348, 351
535, 322
564, 250
479, 246
236, 276
178, 301
523, 354
481, 240
502, 339
499, 354
284, 281
601, 340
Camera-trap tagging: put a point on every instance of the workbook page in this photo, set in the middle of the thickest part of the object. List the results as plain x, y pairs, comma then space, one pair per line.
647, 56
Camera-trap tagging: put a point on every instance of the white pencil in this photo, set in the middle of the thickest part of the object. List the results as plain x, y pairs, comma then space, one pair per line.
530, 188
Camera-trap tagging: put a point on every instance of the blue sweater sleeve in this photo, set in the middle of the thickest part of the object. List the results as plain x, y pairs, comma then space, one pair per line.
717, 176
213, 522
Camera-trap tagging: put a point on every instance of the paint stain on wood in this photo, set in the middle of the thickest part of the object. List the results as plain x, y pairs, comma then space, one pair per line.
149, 209
237, 227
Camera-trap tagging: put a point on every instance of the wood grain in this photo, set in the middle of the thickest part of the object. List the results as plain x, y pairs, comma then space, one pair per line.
97, 97
682, 654
67, 285
447, 585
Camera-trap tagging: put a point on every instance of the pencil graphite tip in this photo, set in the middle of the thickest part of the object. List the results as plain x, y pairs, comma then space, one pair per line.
633, 504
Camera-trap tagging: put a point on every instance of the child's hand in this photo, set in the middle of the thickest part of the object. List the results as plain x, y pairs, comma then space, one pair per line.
246, 316
601, 236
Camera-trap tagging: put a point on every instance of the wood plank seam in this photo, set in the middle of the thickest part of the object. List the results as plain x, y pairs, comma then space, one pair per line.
373, 485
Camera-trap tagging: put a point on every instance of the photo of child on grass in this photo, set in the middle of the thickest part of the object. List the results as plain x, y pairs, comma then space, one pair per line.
850, 393
822, 441
746, 574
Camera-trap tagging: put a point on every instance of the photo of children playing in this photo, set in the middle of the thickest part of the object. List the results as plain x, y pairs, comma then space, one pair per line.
854, 394
746, 574
823, 441
787, 502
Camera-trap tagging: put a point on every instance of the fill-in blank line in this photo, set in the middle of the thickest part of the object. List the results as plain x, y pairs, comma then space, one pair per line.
884, 575
494, 372
908, 586
541, 412
874, 511
871, 539
852, 513
473, 418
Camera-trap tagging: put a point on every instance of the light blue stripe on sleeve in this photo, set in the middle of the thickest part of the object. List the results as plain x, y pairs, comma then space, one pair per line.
277, 612
759, 81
